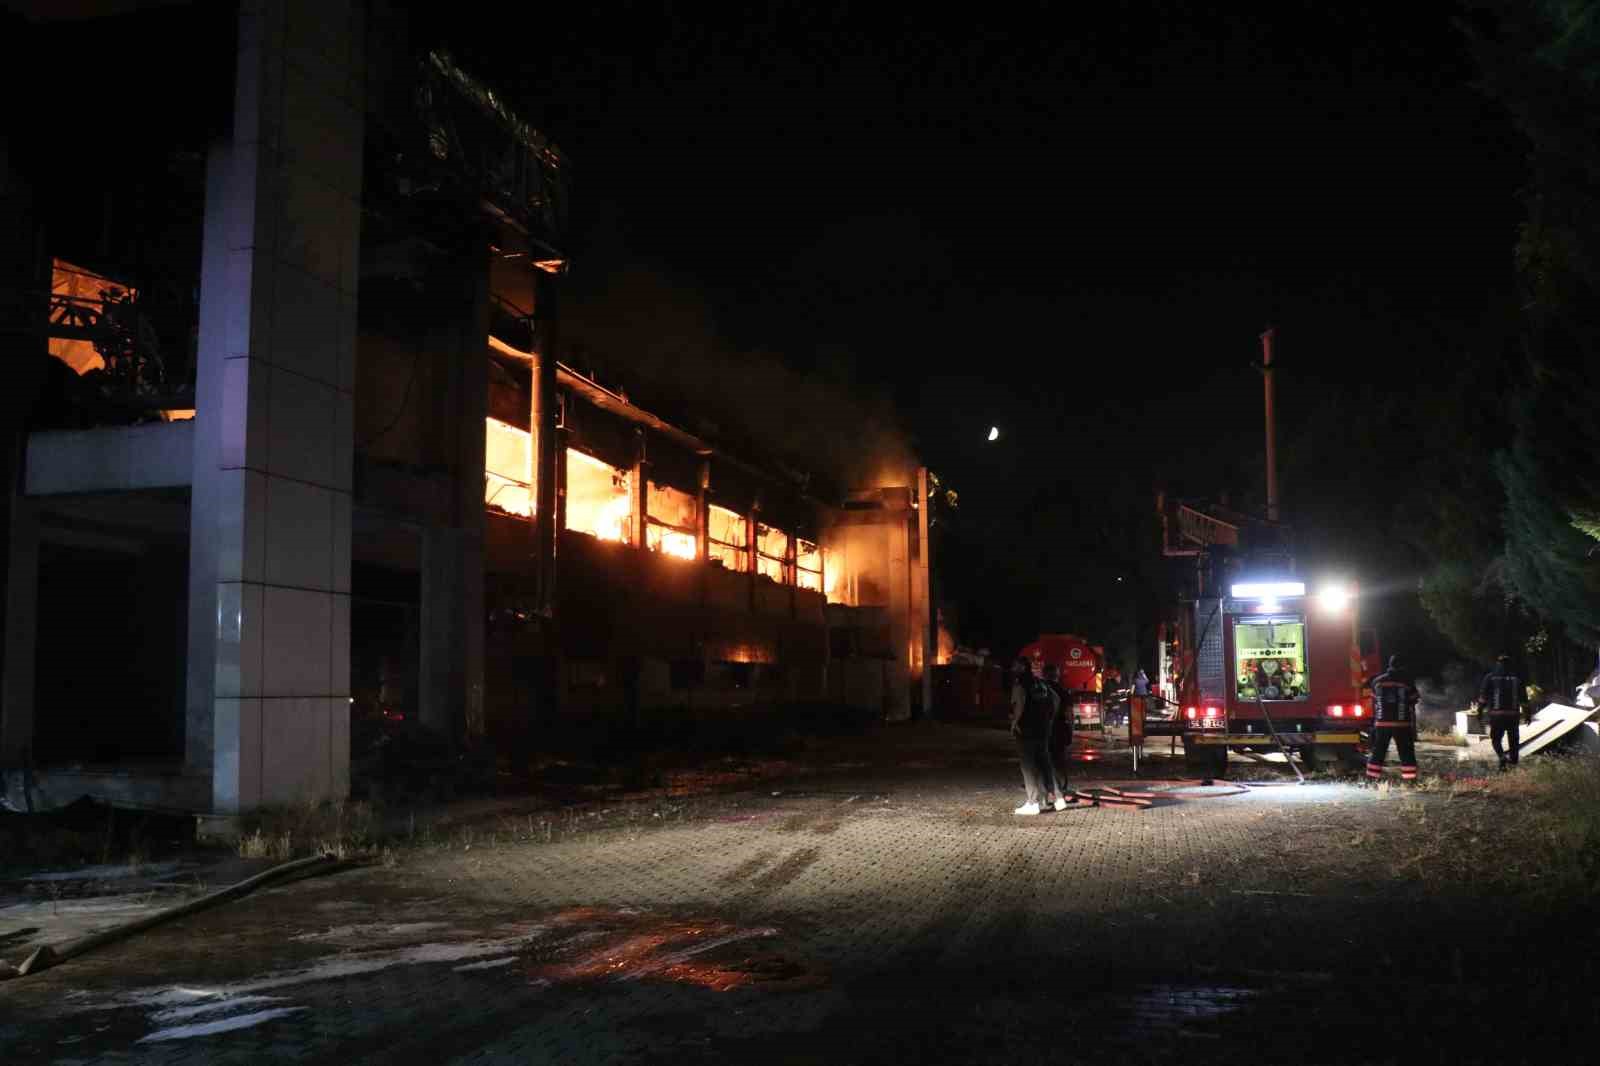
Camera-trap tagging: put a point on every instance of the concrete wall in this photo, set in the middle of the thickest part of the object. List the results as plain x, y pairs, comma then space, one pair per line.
268, 685
110, 459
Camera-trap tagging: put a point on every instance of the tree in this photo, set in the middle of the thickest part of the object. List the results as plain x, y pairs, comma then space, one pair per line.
1542, 62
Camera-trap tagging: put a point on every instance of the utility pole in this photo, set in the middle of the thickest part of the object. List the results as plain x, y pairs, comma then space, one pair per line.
1272, 424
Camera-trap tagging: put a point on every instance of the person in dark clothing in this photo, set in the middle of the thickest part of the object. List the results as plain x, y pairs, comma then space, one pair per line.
1033, 708
1394, 717
1500, 697
1060, 732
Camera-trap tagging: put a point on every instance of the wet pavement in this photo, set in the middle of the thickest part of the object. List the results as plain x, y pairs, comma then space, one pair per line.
888, 909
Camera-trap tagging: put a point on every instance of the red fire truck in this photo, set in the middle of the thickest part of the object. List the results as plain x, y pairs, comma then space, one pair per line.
1255, 658
1082, 668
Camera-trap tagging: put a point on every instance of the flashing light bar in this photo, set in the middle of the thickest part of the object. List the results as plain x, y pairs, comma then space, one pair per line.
1257, 590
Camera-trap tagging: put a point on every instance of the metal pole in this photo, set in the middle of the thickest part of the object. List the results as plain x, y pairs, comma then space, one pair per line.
1272, 425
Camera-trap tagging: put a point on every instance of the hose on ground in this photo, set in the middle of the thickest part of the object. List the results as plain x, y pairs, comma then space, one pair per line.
46, 956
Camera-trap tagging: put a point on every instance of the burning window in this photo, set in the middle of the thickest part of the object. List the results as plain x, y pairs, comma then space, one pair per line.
1270, 659
673, 521
78, 297
727, 540
599, 498
808, 566
508, 469
772, 553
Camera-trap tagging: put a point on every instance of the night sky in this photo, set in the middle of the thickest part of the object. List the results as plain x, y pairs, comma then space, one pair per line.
1070, 223
1072, 226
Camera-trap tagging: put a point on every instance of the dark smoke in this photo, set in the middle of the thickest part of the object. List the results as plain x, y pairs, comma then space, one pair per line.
656, 338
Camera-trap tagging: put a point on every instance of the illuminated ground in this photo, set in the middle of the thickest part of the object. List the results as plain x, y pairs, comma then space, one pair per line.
890, 912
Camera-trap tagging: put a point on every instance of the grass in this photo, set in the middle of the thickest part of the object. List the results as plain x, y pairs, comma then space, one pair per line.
344, 830
1533, 833
1449, 737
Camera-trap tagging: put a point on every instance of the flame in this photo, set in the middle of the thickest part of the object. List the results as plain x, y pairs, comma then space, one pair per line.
599, 498
611, 519
508, 468
672, 542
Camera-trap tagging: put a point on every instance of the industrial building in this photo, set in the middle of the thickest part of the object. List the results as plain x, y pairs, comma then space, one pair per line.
293, 441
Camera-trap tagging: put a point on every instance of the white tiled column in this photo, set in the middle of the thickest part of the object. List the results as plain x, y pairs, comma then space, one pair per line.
269, 669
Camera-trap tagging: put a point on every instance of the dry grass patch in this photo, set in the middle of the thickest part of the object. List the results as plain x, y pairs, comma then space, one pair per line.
1534, 831
344, 830
1448, 738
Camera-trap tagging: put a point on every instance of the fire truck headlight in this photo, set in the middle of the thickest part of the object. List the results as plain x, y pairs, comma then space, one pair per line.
1334, 598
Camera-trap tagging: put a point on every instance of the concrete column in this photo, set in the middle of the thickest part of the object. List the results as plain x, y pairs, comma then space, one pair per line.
922, 619
442, 678
24, 281
702, 513
548, 459
904, 639
752, 555
269, 633
21, 622
453, 596
641, 489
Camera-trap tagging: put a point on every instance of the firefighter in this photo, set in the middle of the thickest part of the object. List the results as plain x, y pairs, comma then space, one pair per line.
1500, 697
1394, 716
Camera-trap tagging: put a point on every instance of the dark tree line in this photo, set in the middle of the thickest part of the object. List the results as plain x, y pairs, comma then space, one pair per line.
1519, 553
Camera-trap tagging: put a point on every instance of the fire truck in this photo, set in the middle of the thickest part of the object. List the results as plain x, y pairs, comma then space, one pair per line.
1082, 668
1253, 657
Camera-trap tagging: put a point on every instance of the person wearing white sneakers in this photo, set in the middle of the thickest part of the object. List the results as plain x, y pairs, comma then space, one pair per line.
1060, 738
1033, 708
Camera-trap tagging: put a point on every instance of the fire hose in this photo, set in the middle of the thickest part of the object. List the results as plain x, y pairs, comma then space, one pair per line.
1277, 739
45, 956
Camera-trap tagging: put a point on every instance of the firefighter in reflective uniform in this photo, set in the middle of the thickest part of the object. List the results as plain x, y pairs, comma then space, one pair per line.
1500, 696
1394, 716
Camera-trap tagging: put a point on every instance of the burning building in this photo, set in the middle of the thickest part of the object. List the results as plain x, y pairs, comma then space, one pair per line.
295, 446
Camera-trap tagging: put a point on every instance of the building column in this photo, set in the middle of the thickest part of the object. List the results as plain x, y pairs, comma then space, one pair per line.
21, 623
922, 619
444, 676
641, 490
269, 578
904, 638
453, 593
702, 513
24, 310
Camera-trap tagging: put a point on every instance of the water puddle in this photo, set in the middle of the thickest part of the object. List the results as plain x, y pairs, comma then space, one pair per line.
1184, 1010
219, 1025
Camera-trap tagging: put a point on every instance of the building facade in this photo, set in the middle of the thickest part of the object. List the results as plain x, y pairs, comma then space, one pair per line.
295, 446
